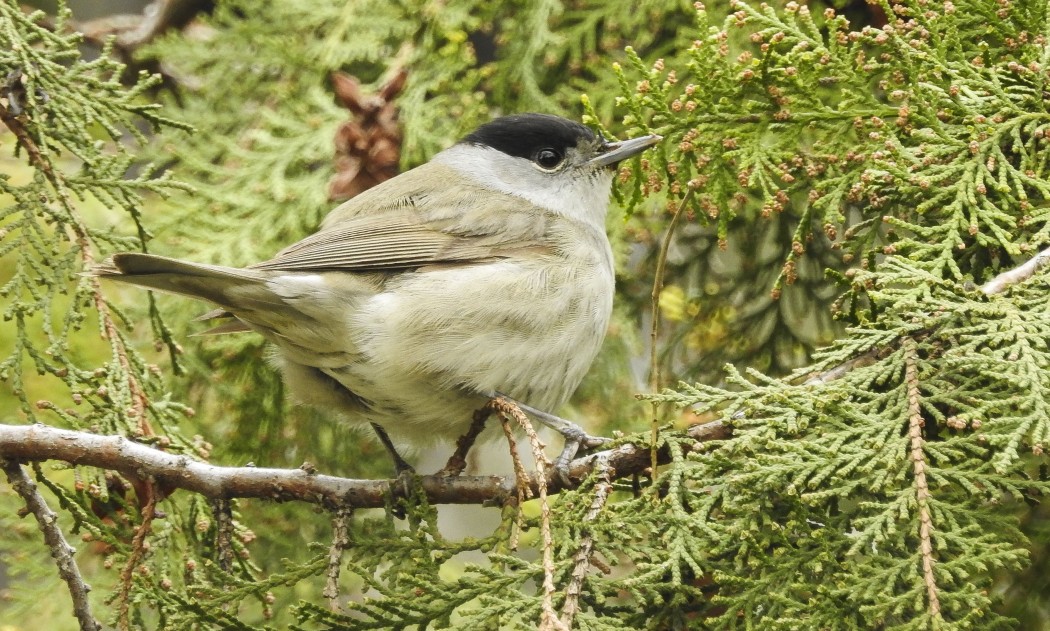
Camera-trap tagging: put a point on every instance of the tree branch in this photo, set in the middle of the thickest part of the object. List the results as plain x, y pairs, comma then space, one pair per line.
138, 550
1022, 272
61, 551
457, 462
35, 443
922, 487
135, 30
340, 542
581, 562
997, 285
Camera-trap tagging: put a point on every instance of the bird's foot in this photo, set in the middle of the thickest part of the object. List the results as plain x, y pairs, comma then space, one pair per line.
575, 438
574, 435
405, 483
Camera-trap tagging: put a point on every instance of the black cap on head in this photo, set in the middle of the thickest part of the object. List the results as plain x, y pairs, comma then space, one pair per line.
522, 135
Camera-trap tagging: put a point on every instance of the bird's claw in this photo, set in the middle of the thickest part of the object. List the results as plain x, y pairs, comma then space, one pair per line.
574, 436
574, 440
402, 489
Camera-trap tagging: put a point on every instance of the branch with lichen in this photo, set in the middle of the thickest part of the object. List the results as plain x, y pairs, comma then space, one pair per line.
581, 562
37, 443
61, 551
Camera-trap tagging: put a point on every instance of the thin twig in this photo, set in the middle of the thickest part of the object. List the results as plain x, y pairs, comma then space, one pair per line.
654, 333
522, 488
138, 550
549, 619
582, 560
340, 542
918, 458
61, 551
837, 372
457, 462
223, 512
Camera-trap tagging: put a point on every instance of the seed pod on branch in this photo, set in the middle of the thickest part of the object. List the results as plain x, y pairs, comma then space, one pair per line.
368, 145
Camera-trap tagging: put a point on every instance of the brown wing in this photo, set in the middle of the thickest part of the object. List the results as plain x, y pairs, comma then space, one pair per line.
377, 244
399, 225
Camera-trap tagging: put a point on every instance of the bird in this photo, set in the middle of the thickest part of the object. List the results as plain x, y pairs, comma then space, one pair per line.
483, 273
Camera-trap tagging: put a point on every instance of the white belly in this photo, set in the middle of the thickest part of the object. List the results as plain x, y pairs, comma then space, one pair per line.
419, 354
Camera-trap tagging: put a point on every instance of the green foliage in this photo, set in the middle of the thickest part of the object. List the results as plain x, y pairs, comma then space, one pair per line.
894, 495
845, 471
924, 137
71, 113
936, 115
73, 124
872, 498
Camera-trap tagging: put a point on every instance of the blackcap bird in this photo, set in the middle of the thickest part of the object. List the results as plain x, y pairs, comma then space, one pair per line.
485, 272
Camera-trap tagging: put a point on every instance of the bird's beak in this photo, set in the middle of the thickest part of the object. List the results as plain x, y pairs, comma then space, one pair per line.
613, 152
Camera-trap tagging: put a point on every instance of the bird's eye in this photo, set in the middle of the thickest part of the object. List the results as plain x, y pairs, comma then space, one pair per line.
548, 158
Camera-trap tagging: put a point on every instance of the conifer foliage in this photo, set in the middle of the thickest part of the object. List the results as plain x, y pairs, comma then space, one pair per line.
867, 490
891, 483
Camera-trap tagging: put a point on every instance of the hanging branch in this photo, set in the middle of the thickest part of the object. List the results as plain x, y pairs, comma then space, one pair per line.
61, 551
138, 551
340, 542
922, 487
222, 511
582, 560
507, 410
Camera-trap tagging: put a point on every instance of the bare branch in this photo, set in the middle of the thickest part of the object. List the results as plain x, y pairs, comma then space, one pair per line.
134, 31
61, 551
1023, 272
175, 471
172, 470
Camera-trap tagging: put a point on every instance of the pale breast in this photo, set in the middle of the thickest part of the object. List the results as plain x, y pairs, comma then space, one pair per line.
527, 328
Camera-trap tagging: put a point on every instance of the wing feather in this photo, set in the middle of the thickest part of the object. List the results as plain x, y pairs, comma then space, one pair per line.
394, 227
386, 247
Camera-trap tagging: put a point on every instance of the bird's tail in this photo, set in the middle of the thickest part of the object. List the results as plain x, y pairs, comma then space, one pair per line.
228, 287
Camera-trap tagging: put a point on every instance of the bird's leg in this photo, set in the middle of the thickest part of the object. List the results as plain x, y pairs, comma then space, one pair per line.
400, 465
574, 435
404, 473
458, 460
